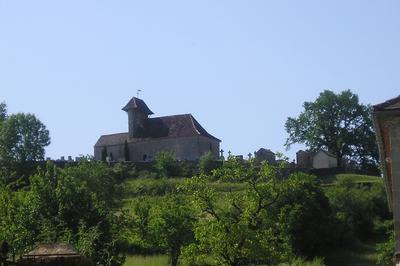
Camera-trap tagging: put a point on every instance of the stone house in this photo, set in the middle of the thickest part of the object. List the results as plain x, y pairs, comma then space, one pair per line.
265, 155
386, 117
179, 134
317, 160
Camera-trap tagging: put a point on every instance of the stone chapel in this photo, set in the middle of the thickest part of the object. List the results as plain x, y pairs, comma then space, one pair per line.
179, 134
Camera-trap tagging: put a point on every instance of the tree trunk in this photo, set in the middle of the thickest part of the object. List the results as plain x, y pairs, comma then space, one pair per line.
174, 256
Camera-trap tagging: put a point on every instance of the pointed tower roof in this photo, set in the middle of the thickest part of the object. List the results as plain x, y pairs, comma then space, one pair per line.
138, 104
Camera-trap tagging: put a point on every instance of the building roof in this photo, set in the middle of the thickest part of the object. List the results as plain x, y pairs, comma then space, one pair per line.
389, 105
175, 126
53, 250
138, 104
263, 150
112, 139
311, 153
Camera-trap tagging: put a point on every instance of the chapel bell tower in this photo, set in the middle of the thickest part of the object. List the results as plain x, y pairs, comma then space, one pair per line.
138, 112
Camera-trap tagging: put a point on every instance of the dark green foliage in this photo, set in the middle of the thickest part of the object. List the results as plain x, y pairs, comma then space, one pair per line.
3, 112
356, 207
245, 229
207, 163
167, 226
338, 123
73, 205
386, 250
23, 138
167, 165
125, 170
151, 187
307, 215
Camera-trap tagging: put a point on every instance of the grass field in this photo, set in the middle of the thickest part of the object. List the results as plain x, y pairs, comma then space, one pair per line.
360, 178
154, 260
364, 254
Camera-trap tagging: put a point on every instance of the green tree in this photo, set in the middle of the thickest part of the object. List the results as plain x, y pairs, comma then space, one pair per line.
308, 215
167, 226
23, 138
207, 163
243, 229
356, 208
3, 112
74, 205
338, 123
166, 164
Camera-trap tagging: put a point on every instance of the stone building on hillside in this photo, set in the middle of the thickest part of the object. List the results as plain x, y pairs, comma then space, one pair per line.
265, 155
387, 127
317, 160
179, 134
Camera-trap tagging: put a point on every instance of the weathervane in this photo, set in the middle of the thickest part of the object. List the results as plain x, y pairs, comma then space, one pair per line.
137, 93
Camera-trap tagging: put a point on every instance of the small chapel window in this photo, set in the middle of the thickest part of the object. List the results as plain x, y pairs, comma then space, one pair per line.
210, 147
144, 157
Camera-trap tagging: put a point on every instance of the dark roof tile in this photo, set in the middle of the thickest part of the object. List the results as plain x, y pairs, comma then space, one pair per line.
392, 104
139, 104
175, 126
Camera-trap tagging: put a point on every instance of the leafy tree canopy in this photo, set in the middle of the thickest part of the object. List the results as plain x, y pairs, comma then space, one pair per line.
75, 205
3, 111
338, 123
266, 223
22, 137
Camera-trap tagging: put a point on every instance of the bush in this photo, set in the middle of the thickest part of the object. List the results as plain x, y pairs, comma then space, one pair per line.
151, 187
207, 163
357, 207
74, 205
166, 164
308, 215
386, 250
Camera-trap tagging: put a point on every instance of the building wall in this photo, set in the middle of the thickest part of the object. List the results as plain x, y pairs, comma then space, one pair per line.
186, 149
117, 152
322, 160
304, 159
265, 155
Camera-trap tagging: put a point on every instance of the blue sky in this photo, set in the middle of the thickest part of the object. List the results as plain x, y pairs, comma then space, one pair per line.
240, 67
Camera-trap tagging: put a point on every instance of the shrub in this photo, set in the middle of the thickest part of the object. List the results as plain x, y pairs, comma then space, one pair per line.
386, 250
166, 164
207, 163
356, 207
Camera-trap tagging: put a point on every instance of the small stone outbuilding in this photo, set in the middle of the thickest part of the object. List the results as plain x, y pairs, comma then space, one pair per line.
316, 160
265, 155
387, 127
180, 134
54, 254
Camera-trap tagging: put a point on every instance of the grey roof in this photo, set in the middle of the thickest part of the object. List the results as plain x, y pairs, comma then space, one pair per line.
112, 139
139, 104
392, 104
263, 150
174, 126
54, 249
313, 153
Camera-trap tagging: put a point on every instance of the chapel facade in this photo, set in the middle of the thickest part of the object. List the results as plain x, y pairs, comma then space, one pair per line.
180, 134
